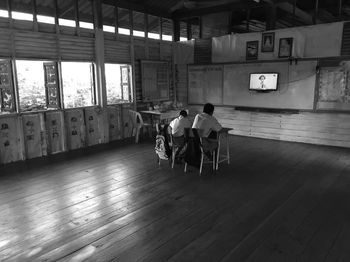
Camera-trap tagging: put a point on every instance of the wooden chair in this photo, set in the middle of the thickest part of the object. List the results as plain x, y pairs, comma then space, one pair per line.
138, 124
194, 133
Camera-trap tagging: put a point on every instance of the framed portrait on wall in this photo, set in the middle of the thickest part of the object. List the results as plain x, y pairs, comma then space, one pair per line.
268, 42
252, 50
285, 47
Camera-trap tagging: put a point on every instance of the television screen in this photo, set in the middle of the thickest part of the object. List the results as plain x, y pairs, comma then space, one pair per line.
263, 81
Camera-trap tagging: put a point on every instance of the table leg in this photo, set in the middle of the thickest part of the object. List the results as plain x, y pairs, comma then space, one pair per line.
228, 149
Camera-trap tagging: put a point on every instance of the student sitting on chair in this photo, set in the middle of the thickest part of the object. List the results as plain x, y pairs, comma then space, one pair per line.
178, 126
207, 123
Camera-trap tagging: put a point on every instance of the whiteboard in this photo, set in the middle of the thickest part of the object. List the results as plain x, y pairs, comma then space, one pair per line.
334, 87
155, 80
296, 85
205, 84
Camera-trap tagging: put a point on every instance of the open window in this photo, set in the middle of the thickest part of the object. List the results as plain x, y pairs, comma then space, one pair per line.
31, 85
78, 84
7, 97
118, 83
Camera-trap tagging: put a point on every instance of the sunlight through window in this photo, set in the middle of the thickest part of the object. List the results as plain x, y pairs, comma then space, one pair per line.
108, 28
45, 19
153, 36
138, 33
167, 37
86, 25
22, 16
4, 13
123, 31
66, 22
78, 88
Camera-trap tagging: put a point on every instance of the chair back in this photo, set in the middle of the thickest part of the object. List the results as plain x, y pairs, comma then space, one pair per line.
136, 118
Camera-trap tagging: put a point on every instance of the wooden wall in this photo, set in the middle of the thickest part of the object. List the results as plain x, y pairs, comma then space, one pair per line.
331, 129
36, 134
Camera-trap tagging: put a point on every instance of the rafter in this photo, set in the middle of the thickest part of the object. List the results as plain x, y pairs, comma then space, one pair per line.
138, 7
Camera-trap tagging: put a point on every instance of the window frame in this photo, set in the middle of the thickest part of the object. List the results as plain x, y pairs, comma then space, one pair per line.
92, 78
130, 93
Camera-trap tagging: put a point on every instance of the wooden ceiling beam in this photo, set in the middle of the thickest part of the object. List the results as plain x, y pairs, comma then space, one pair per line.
138, 7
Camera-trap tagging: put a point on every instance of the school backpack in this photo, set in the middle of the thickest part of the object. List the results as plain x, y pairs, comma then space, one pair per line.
160, 147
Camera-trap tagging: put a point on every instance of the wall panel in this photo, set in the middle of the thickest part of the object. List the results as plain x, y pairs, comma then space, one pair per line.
10, 140
75, 128
315, 128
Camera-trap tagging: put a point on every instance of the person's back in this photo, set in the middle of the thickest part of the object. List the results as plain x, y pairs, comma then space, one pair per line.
206, 122
179, 124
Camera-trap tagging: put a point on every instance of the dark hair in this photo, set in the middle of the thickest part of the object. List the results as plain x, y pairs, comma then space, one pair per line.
262, 76
208, 108
183, 113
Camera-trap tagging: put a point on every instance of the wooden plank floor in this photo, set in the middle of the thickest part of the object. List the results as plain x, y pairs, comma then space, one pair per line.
276, 201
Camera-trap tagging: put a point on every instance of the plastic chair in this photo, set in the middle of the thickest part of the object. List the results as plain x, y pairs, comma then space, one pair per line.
138, 124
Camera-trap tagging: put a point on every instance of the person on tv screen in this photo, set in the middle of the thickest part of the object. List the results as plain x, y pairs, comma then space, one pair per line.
262, 84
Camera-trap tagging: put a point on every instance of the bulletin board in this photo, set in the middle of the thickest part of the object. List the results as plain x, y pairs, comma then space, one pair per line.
334, 87
155, 80
228, 84
205, 84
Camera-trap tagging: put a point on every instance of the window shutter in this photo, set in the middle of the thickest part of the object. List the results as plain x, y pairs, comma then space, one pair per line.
6, 87
51, 85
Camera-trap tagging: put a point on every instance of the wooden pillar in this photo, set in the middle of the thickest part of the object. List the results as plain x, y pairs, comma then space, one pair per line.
176, 27
116, 18
100, 81
76, 16
35, 12
340, 10
189, 30
315, 17
248, 20
270, 13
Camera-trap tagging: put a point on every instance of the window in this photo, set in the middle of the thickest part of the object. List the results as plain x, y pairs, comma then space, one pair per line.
31, 85
78, 84
46, 11
118, 83
22, 16
66, 13
139, 24
108, 18
153, 27
124, 21
167, 26
85, 14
